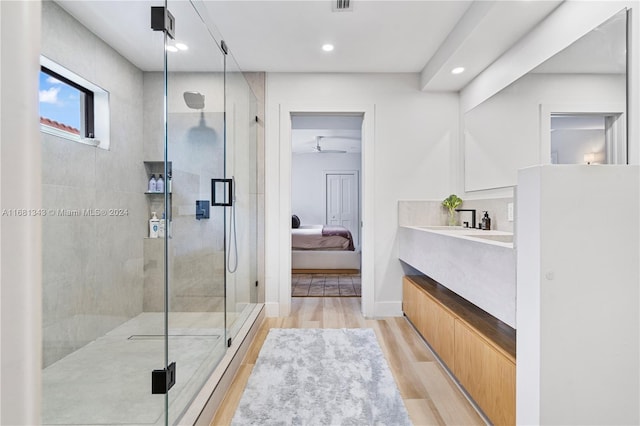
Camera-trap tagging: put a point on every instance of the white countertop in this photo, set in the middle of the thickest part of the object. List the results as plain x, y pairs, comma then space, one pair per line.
496, 238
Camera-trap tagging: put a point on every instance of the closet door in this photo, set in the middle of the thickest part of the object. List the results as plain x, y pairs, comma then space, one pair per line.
342, 192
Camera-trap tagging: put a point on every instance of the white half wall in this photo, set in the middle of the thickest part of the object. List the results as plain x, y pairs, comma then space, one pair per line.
578, 295
413, 135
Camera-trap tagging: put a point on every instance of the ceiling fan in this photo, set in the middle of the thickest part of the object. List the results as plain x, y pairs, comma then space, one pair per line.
318, 148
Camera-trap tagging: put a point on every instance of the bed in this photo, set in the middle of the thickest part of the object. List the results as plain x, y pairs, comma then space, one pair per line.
323, 247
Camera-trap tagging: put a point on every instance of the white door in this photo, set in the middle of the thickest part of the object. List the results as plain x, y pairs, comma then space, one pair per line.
342, 192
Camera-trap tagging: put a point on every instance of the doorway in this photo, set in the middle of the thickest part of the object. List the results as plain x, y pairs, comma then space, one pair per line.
325, 204
587, 138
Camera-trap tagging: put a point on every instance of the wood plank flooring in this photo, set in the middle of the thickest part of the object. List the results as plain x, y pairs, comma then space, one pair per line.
429, 395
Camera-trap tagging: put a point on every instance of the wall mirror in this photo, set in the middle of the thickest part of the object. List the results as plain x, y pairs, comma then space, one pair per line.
571, 109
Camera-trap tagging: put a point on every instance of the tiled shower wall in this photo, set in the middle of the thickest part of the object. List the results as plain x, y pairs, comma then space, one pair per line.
92, 266
197, 266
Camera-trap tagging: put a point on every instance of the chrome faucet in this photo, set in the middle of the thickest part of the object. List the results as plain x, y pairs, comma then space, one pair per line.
473, 216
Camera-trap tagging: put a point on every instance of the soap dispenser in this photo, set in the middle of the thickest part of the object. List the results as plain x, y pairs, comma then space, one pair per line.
486, 221
154, 224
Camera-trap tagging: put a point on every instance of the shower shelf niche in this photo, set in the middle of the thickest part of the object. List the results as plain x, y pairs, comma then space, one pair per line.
155, 200
157, 168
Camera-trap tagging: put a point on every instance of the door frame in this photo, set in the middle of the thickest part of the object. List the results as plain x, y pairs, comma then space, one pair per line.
356, 173
367, 236
619, 128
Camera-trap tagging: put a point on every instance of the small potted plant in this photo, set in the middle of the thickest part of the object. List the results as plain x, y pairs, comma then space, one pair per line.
452, 202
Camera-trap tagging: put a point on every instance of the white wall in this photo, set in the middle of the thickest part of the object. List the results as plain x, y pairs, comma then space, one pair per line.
578, 296
308, 195
413, 134
570, 145
20, 277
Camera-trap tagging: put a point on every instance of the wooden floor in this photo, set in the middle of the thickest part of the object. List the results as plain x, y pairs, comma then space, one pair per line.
428, 393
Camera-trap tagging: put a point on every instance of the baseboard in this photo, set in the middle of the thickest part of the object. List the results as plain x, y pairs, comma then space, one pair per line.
272, 309
325, 271
388, 309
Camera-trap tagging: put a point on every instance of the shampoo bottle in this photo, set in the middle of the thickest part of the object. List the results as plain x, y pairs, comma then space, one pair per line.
154, 225
152, 184
161, 227
486, 221
160, 184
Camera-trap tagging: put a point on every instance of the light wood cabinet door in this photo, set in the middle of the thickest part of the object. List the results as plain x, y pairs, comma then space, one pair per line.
410, 295
488, 376
435, 323
439, 329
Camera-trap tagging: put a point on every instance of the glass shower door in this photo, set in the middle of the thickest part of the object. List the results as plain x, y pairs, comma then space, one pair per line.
194, 229
241, 164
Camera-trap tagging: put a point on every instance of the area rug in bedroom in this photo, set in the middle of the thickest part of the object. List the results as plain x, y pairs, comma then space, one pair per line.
321, 377
325, 285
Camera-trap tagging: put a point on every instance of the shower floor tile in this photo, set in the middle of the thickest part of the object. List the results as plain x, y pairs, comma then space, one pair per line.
109, 380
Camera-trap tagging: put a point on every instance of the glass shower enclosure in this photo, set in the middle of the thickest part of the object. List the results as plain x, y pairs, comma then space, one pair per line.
135, 319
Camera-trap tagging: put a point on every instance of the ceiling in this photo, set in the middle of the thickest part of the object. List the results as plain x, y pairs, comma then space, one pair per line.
286, 36
340, 132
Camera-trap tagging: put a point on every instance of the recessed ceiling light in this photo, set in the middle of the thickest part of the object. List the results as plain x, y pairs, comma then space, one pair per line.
172, 48
457, 70
182, 46
327, 47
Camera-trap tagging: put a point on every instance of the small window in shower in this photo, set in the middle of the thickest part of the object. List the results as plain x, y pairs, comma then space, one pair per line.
64, 105
71, 107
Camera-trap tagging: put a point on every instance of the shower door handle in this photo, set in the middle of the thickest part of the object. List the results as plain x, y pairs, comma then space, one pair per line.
224, 189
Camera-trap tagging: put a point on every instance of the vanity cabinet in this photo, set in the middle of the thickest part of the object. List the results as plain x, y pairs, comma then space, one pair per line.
477, 348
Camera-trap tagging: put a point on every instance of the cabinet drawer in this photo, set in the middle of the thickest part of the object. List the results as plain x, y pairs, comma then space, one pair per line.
488, 376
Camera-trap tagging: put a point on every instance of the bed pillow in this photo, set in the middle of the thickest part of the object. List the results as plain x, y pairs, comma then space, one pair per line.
295, 221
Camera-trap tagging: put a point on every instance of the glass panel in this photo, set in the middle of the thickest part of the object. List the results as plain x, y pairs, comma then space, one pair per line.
102, 333
241, 161
195, 242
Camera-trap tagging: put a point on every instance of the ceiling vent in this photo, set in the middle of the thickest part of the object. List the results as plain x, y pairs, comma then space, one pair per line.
342, 5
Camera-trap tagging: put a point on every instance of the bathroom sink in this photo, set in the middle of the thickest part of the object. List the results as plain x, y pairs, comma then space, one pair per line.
456, 229
493, 237
443, 228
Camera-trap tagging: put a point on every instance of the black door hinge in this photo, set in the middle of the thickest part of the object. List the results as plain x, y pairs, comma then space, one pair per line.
229, 342
256, 283
163, 20
163, 380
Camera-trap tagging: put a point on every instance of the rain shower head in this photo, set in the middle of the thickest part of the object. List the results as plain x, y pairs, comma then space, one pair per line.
194, 100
